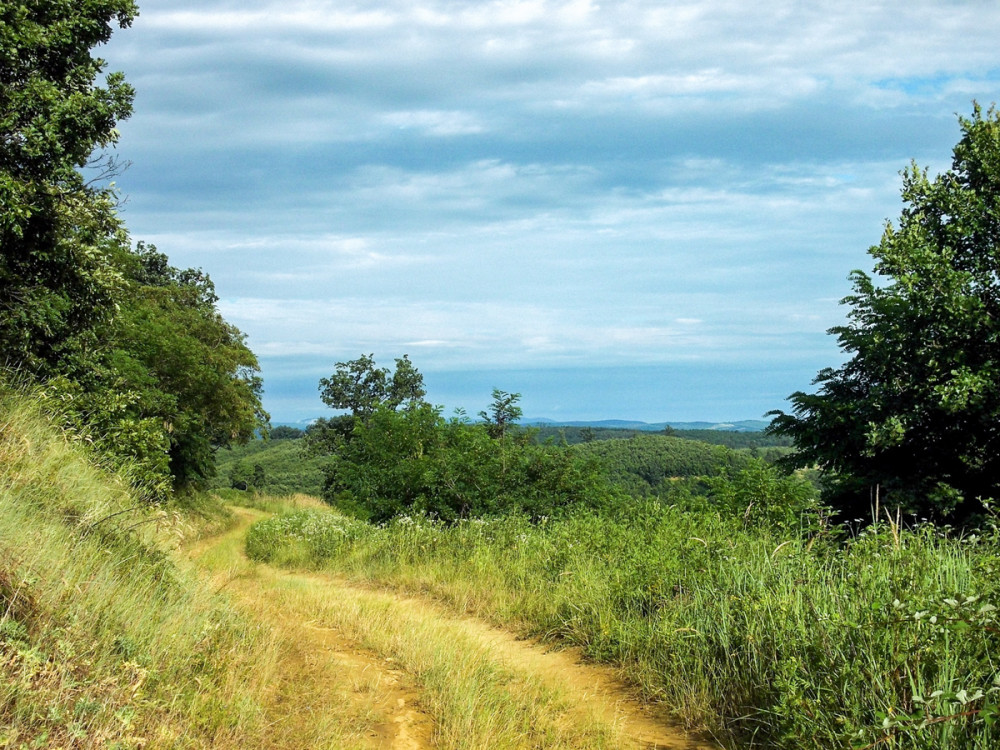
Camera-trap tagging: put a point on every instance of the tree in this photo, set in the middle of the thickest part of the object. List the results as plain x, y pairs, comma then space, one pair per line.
171, 382
361, 387
284, 432
914, 414
503, 412
386, 460
132, 351
414, 461
191, 367
59, 236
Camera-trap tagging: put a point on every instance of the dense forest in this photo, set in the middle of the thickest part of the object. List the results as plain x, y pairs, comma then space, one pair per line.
728, 438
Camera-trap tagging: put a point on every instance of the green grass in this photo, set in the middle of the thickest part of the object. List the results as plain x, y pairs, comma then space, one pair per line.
104, 640
287, 468
767, 641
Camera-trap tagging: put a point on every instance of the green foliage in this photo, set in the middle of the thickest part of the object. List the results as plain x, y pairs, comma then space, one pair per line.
503, 412
288, 466
913, 413
193, 370
111, 419
768, 638
284, 432
728, 438
171, 383
244, 477
133, 354
762, 496
361, 387
58, 235
648, 464
415, 461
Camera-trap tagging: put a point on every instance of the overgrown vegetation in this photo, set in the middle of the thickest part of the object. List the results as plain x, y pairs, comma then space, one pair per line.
104, 640
769, 637
395, 453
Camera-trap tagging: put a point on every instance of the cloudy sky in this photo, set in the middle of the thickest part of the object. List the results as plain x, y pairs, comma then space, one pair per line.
638, 209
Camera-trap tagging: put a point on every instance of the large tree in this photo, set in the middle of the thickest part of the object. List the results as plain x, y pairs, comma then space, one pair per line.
59, 235
132, 350
914, 415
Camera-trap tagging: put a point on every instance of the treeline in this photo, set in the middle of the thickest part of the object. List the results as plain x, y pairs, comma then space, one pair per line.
129, 352
639, 463
731, 439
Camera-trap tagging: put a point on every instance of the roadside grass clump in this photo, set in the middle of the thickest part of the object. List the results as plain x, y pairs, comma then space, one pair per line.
104, 640
766, 637
306, 538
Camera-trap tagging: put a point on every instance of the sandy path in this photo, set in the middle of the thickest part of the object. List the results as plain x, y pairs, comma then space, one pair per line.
388, 695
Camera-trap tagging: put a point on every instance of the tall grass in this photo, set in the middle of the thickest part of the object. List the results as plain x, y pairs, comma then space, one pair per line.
104, 641
769, 641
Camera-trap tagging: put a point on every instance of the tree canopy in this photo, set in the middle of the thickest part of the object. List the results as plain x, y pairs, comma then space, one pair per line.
59, 235
914, 414
132, 353
361, 387
396, 454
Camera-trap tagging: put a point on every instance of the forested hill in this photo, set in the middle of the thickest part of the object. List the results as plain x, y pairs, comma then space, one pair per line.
743, 425
731, 439
643, 465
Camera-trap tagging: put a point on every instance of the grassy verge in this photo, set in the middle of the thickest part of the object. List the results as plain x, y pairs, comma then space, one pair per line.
889, 638
104, 641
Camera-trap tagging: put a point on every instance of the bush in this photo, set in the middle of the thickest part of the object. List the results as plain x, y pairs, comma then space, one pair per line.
413, 461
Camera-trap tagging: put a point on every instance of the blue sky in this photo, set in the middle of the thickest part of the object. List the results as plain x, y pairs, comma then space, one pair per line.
638, 209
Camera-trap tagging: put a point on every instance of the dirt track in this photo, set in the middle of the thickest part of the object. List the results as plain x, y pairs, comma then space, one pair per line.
345, 677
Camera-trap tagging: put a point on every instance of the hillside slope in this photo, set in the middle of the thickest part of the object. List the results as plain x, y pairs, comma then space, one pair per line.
104, 640
641, 464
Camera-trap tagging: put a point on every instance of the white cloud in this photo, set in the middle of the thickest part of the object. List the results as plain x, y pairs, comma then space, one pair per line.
435, 123
538, 182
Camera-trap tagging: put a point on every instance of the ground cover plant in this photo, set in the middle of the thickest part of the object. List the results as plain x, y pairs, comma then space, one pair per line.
105, 641
767, 636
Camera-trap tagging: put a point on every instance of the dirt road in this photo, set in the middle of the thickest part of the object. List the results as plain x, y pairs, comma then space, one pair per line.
365, 668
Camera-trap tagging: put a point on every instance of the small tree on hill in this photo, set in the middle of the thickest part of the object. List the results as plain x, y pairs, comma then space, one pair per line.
915, 412
502, 413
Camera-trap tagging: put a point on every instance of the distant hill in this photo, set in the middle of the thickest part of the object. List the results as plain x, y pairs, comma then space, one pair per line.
286, 465
648, 463
743, 425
